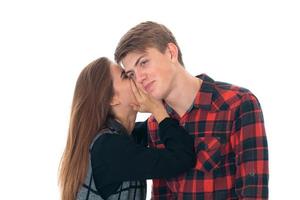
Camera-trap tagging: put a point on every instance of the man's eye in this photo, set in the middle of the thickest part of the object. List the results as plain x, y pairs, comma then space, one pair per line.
143, 62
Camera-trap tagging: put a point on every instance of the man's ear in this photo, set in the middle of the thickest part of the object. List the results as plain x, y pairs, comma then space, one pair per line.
173, 51
115, 101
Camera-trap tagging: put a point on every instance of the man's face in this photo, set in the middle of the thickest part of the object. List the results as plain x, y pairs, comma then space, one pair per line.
152, 69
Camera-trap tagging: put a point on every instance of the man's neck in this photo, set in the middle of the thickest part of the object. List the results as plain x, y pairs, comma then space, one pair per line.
183, 92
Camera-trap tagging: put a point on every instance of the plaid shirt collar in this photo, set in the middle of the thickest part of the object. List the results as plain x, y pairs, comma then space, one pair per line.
204, 96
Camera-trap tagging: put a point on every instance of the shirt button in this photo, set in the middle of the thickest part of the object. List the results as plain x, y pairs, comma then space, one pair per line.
251, 173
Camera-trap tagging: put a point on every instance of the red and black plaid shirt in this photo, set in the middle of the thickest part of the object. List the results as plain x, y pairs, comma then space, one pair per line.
232, 154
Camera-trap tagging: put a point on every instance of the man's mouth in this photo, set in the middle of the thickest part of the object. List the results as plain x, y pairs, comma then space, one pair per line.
149, 86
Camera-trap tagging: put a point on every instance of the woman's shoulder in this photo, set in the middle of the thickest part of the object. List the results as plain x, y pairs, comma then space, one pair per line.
107, 139
101, 135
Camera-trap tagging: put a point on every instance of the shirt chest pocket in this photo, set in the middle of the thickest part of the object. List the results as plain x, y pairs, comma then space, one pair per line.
208, 151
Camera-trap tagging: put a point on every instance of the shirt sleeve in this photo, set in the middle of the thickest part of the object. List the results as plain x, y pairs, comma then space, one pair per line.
250, 145
160, 190
117, 157
140, 133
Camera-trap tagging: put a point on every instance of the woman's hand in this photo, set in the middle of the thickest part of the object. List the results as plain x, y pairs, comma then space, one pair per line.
147, 103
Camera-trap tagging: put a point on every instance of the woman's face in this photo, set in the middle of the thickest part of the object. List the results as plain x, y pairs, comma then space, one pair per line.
123, 95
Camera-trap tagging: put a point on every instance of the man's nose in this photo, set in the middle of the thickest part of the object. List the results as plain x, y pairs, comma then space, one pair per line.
140, 76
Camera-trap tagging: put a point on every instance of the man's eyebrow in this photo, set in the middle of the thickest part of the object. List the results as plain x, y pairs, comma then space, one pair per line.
138, 60
135, 64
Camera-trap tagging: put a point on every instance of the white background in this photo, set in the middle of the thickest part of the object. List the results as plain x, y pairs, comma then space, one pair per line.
45, 44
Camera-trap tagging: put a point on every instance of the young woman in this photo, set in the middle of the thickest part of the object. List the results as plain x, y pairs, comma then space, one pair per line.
105, 156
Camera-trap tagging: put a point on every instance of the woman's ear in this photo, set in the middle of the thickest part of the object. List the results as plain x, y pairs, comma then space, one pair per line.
115, 101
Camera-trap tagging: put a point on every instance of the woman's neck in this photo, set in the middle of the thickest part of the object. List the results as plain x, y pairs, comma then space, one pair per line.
127, 121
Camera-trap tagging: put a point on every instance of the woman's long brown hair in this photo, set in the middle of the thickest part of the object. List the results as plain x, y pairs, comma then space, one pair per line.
89, 113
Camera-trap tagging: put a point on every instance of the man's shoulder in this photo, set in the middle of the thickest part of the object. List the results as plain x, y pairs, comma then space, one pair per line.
229, 94
225, 89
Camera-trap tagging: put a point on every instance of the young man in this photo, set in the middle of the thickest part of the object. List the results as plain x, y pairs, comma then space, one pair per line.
225, 120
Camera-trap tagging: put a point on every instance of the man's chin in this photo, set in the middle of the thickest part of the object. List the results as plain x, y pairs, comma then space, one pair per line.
156, 96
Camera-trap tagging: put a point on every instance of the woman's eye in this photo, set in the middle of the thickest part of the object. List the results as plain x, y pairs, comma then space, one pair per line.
127, 75
124, 75
130, 75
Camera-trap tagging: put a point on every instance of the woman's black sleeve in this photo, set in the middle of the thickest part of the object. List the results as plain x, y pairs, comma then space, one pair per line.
140, 133
118, 158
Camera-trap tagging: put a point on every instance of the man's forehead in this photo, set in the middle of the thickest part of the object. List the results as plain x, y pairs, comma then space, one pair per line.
122, 65
125, 67
131, 59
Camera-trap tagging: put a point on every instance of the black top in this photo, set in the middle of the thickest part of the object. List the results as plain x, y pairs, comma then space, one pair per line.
122, 157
